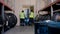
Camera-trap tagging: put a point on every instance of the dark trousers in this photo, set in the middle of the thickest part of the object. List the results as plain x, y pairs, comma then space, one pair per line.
21, 22
31, 21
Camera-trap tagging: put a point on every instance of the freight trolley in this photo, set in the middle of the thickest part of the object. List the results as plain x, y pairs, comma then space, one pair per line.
3, 17
54, 23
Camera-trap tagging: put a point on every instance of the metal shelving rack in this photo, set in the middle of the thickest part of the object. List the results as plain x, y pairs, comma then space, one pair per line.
4, 7
52, 7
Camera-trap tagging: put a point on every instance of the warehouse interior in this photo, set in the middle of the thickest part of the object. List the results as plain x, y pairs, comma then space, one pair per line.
29, 16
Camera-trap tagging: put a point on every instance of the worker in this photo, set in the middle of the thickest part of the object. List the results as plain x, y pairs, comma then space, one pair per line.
22, 17
31, 17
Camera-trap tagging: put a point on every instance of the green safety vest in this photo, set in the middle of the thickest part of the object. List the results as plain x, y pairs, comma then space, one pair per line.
31, 15
22, 15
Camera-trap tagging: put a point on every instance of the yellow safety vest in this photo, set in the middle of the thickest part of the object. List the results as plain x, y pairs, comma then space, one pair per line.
22, 15
31, 15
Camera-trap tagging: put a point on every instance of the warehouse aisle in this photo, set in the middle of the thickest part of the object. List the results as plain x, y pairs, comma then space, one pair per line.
21, 30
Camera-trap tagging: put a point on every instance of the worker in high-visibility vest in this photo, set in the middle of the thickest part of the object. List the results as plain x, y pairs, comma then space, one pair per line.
22, 17
31, 17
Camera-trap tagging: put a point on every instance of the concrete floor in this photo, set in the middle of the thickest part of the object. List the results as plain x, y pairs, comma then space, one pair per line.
21, 30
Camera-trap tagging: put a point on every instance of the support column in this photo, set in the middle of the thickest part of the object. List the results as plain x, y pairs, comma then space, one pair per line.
51, 11
2, 32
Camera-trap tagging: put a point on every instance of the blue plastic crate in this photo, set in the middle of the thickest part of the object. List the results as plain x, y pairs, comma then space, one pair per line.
41, 28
